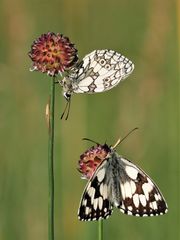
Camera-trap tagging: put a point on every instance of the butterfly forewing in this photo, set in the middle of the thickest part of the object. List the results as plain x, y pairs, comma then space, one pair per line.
117, 182
95, 204
100, 71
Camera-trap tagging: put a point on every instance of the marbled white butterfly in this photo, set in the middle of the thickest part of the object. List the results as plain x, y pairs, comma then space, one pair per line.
116, 182
98, 71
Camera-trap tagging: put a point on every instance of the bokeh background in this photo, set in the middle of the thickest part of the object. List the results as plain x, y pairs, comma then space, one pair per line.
144, 31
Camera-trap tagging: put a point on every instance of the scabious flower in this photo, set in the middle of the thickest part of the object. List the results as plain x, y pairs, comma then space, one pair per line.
91, 159
52, 54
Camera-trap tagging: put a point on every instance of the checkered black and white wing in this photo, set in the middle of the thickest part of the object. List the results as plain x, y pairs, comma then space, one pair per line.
117, 182
100, 71
140, 196
95, 203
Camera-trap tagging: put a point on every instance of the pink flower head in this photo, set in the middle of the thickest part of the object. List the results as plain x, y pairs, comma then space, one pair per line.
52, 54
91, 159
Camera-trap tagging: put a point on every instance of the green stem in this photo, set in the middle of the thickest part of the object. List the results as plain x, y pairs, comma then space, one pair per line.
100, 230
51, 161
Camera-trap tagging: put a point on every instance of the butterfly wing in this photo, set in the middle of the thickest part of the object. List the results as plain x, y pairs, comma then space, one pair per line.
95, 203
140, 196
100, 71
120, 183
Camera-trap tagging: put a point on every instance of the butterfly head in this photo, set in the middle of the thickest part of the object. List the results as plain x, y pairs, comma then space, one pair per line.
92, 158
67, 96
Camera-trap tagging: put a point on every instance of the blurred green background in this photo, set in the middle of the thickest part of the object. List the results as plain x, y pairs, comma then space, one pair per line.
145, 32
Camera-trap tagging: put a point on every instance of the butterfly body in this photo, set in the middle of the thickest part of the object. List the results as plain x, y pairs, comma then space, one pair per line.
117, 182
99, 71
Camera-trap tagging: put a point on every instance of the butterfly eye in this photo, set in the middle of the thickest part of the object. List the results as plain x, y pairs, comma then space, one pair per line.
67, 96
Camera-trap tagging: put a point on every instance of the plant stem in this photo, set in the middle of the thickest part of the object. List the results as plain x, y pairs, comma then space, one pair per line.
51, 161
100, 230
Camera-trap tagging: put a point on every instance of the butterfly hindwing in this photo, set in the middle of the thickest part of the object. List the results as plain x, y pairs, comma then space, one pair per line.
140, 196
100, 71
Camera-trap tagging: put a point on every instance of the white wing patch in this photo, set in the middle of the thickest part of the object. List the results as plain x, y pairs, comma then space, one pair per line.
101, 174
131, 172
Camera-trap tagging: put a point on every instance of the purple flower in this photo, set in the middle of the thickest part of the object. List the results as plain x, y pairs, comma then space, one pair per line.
52, 54
91, 159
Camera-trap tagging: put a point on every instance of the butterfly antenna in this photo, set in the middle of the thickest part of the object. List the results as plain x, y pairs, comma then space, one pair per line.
87, 139
121, 140
69, 105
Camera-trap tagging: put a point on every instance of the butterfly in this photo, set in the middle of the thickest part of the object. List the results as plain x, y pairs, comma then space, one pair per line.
98, 71
117, 182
